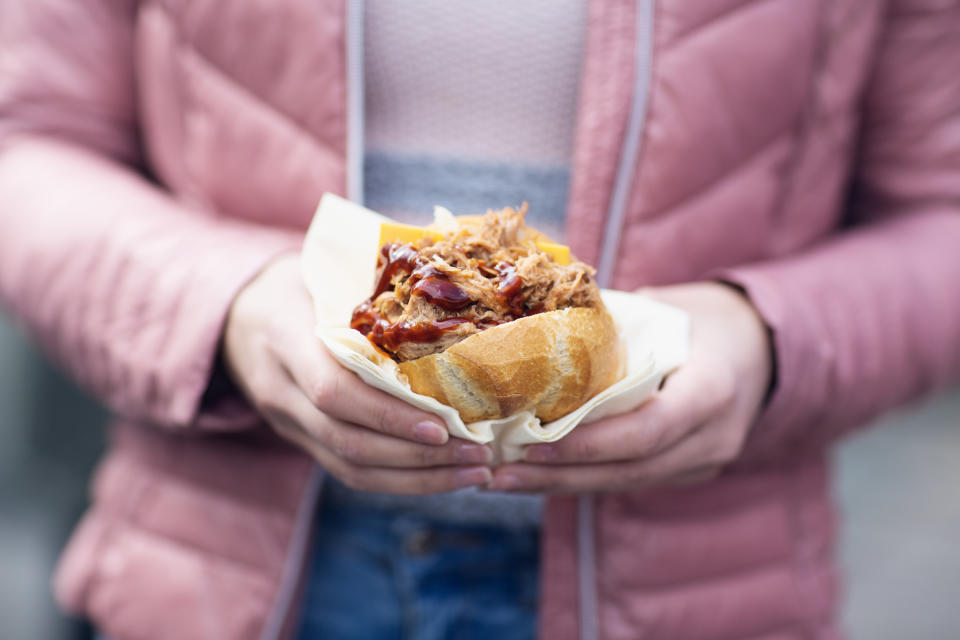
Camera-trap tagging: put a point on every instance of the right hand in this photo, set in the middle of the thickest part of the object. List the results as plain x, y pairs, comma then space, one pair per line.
368, 439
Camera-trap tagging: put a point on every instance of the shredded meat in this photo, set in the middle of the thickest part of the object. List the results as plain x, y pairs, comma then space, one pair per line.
488, 272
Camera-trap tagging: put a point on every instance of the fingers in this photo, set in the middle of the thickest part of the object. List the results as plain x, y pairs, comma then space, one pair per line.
364, 447
384, 480
343, 395
689, 398
692, 459
415, 482
367, 460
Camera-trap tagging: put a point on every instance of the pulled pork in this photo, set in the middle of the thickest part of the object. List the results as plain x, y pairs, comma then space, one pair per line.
432, 294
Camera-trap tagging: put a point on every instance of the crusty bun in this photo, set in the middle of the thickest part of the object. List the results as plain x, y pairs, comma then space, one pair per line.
488, 321
550, 363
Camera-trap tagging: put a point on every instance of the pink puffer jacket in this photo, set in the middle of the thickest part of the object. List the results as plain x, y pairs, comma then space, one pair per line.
156, 154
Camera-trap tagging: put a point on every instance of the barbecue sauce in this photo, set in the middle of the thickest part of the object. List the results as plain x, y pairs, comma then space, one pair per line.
510, 289
434, 285
394, 257
390, 337
440, 291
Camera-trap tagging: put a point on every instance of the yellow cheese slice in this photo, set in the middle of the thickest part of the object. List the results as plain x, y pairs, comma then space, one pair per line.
560, 253
396, 232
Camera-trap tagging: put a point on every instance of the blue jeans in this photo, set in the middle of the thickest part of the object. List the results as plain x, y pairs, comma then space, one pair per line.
378, 575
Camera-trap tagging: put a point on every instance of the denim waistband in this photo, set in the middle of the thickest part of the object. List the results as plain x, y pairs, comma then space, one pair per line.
465, 507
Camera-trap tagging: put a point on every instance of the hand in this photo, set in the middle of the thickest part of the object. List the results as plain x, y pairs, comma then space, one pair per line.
366, 438
689, 430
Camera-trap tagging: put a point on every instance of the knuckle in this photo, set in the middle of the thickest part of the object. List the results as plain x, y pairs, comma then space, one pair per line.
585, 449
351, 451
427, 456
384, 416
723, 388
345, 447
658, 439
646, 439
332, 440
325, 390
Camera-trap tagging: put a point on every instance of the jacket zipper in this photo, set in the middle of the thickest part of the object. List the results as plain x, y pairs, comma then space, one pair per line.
294, 564
355, 98
586, 521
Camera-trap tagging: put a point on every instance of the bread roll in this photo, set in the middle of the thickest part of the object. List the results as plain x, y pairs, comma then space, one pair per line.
550, 363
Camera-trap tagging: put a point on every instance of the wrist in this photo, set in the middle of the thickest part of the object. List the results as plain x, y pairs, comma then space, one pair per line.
764, 333
729, 306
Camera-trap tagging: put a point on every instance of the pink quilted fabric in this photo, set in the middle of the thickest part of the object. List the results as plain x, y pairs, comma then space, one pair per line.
202, 133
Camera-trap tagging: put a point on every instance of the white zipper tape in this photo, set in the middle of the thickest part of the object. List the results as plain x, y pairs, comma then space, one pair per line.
293, 565
355, 100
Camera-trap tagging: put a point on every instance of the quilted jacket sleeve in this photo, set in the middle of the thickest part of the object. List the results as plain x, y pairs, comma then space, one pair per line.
871, 318
123, 286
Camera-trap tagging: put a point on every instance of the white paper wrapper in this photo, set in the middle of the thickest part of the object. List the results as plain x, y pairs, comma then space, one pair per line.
339, 264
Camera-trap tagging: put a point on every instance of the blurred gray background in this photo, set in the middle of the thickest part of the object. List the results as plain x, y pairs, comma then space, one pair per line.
898, 485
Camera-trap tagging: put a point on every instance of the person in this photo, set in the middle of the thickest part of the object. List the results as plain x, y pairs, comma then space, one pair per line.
788, 174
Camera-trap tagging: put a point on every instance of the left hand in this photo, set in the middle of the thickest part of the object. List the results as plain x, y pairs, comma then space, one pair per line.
688, 431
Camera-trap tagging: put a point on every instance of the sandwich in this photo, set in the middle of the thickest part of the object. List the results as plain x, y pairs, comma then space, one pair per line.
482, 314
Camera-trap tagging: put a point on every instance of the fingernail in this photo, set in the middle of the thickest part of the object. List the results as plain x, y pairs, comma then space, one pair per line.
472, 477
540, 453
505, 482
470, 453
429, 433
